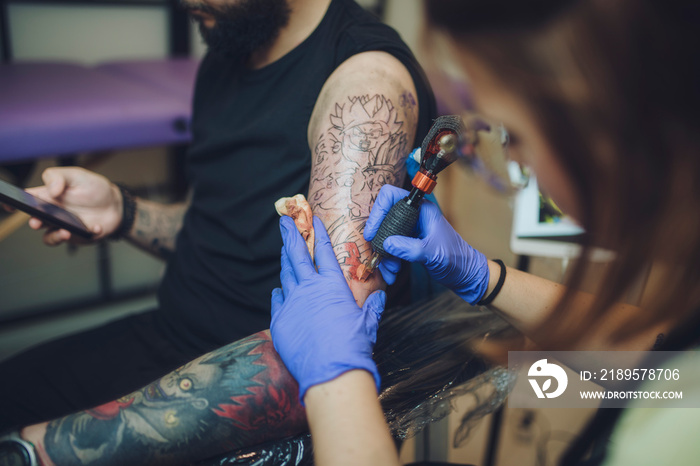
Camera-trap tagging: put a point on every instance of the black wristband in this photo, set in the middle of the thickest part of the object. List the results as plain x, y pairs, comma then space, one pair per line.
128, 213
15, 450
501, 279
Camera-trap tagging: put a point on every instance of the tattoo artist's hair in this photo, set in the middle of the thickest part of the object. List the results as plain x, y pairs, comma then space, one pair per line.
425, 355
613, 88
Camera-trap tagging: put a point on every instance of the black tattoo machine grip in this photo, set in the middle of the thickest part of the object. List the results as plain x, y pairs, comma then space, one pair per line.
438, 151
401, 220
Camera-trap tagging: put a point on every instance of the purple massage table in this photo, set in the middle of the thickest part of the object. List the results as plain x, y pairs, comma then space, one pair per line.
53, 109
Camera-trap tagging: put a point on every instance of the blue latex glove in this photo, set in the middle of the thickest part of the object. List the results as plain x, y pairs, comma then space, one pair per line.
317, 327
448, 258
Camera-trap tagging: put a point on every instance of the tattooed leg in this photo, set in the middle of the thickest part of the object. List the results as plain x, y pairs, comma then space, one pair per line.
237, 396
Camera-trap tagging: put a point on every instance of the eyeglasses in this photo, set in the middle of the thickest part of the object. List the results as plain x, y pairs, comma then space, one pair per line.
484, 150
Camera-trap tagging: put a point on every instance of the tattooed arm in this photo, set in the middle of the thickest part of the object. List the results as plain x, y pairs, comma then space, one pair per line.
156, 226
360, 133
237, 396
99, 204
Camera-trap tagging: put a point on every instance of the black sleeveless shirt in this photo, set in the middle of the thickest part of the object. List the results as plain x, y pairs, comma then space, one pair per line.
249, 149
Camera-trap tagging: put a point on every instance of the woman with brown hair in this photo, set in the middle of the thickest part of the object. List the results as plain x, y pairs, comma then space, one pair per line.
601, 100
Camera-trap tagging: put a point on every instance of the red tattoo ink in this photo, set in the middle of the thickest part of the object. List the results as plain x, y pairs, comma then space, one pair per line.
110, 410
271, 407
353, 259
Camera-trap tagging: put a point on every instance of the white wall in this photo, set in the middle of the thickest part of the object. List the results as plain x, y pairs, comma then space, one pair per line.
95, 33
406, 17
87, 33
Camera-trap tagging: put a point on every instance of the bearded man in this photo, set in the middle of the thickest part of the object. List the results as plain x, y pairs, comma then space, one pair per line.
288, 88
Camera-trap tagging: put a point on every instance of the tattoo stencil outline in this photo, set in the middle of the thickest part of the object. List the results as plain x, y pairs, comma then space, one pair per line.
364, 148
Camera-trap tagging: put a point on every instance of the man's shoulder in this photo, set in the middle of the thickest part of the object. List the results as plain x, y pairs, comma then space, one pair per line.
364, 32
359, 87
371, 68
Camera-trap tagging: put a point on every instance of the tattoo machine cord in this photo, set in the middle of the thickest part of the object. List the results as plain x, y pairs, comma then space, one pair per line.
439, 149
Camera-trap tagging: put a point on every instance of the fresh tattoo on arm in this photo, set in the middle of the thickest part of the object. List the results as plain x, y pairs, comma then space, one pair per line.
237, 396
363, 147
156, 226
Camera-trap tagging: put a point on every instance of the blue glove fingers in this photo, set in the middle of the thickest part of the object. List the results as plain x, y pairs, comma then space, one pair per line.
392, 264
297, 251
375, 304
408, 249
389, 267
374, 307
323, 250
287, 278
430, 216
477, 278
276, 301
387, 197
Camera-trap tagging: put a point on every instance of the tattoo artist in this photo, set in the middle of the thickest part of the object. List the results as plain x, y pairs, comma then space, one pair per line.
601, 101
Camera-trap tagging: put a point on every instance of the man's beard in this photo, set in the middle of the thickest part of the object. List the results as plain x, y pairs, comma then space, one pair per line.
243, 27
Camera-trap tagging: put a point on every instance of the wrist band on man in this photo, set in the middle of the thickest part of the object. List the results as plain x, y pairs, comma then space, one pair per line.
15, 450
128, 213
497, 289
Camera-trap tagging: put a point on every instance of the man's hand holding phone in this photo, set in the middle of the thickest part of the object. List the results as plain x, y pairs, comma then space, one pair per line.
92, 197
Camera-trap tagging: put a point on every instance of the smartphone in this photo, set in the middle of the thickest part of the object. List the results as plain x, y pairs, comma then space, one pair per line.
45, 211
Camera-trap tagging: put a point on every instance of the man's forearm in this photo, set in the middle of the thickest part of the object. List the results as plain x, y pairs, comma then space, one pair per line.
237, 396
156, 226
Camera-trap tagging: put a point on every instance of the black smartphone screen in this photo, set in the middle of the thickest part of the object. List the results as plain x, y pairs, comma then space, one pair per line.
45, 211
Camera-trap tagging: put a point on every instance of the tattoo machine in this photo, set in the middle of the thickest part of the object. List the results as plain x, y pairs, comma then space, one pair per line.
439, 149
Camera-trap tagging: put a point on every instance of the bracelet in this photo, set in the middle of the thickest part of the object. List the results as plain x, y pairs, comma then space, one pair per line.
128, 213
497, 289
17, 450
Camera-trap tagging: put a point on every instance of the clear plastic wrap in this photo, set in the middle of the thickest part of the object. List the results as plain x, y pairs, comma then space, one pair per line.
424, 353
425, 357
290, 451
